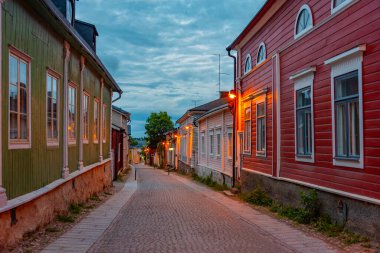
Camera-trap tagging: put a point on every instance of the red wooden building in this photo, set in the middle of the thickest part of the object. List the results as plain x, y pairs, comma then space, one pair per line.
309, 75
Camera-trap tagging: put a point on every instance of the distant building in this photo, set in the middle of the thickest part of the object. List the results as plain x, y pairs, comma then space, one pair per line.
55, 117
134, 151
120, 139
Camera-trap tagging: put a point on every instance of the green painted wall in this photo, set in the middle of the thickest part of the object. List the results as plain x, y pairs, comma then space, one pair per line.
30, 169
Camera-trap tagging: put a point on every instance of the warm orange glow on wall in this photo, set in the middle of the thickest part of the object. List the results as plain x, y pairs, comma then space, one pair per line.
187, 127
232, 94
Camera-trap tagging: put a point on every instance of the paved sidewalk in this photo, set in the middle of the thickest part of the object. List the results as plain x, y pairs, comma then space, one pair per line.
296, 239
84, 234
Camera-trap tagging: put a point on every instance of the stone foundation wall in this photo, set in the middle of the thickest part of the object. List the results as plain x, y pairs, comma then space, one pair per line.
184, 168
40, 211
358, 216
216, 176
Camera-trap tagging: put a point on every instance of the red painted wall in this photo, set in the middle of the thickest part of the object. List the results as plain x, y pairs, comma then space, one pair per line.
358, 24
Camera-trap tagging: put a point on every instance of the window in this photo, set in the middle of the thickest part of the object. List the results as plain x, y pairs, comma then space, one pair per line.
52, 108
86, 125
104, 125
304, 21
347, 116
19, 100
347, 107
304, 123
260, 128
72, 114
261, 53
248, 64
247, 127
337, 5
203, 146
218, 142
96, 120
69, 11
229, 142
211, 136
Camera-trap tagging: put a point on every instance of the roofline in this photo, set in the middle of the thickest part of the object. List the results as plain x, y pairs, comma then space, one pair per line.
70, 29
89, 24
212, 111
189, 113
251, 24
121, 111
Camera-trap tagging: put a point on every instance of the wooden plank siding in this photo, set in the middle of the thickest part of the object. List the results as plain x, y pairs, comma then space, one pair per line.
355, 25
26, 170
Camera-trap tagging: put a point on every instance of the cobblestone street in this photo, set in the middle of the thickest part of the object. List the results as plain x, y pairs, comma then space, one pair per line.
167, 215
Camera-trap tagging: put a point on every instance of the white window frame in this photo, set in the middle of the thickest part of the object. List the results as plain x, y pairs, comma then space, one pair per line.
344, 63
307, 8
86, 127
203, 143
96, 116
211, 141
20, 143
218, 132
72, 141
260, 100
53, 142
229, 142
247, 150
302, 80
104, 125
339, 7
248, 57
262, 45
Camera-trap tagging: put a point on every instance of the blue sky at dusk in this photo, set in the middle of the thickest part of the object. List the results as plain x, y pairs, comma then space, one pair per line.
161, 52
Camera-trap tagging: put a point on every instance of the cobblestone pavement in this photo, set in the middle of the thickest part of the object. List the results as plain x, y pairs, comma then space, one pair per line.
167, 215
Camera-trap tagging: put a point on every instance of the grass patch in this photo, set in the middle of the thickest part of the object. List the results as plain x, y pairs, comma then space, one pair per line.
209, 182
52, 230
307, 213
94, 197
65, 218
76, 208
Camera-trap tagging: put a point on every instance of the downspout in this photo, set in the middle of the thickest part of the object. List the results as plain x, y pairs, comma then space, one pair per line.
234, 123
65, 169
116, 99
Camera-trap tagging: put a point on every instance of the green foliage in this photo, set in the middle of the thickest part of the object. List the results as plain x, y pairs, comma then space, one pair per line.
76, 208
326, 227
94, 197
209, 182
309, 201
156, 125
65, 218
257, 197
52, 229
133, 142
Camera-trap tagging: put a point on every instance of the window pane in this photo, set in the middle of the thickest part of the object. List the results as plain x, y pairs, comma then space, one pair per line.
13, 126
49, 128
48, 85
54, 84
55, 107
304, 21
23, 100
341, 130
13, 98
55, 129
13, 65
338, 2
23, 75
308, 132
23, 127
260, 109
346, 85
247, 113
304, 97
354, 148
304, 132
49, 102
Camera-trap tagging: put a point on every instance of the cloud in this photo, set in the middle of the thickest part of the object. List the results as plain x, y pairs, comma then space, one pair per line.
161, 52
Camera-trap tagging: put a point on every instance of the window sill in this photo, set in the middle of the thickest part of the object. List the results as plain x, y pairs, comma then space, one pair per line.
19, 146
353, 159
96, 142
261, 154
348, 162
305, 158
72, 143
85, 142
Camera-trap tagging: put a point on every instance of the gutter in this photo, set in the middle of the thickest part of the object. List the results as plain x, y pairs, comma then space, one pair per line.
211, 112
234, 122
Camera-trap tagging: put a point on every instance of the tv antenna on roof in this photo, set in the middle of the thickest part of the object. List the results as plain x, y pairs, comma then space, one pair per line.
195, 102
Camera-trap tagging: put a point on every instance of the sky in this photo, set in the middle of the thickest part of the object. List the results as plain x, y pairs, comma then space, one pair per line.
164, 53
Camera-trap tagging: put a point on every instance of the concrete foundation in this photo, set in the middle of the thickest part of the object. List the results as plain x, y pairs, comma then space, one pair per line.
184, 168
38, 212
357, 216
216, 176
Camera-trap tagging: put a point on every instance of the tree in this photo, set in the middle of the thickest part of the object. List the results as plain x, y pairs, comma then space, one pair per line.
132, 141
156, 126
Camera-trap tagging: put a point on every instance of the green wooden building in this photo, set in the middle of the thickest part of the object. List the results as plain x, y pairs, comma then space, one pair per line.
56, 98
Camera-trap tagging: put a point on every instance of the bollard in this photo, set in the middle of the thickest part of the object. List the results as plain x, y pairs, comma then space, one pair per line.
135, 173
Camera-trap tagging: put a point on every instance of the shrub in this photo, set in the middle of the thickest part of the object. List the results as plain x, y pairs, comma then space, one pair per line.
258, 197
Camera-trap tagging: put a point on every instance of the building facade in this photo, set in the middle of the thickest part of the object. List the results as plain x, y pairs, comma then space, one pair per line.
120, 139
56, 98
216, 144
308, 72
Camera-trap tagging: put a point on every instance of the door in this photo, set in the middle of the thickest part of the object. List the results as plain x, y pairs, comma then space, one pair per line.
239, 163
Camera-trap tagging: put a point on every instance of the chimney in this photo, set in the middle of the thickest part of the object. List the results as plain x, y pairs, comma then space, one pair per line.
223, 94
88, 32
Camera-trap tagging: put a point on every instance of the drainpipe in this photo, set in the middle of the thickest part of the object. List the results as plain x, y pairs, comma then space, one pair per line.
81, 104
3, 195
234, 123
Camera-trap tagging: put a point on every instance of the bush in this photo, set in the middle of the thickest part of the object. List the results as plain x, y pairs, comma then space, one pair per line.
258, 197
